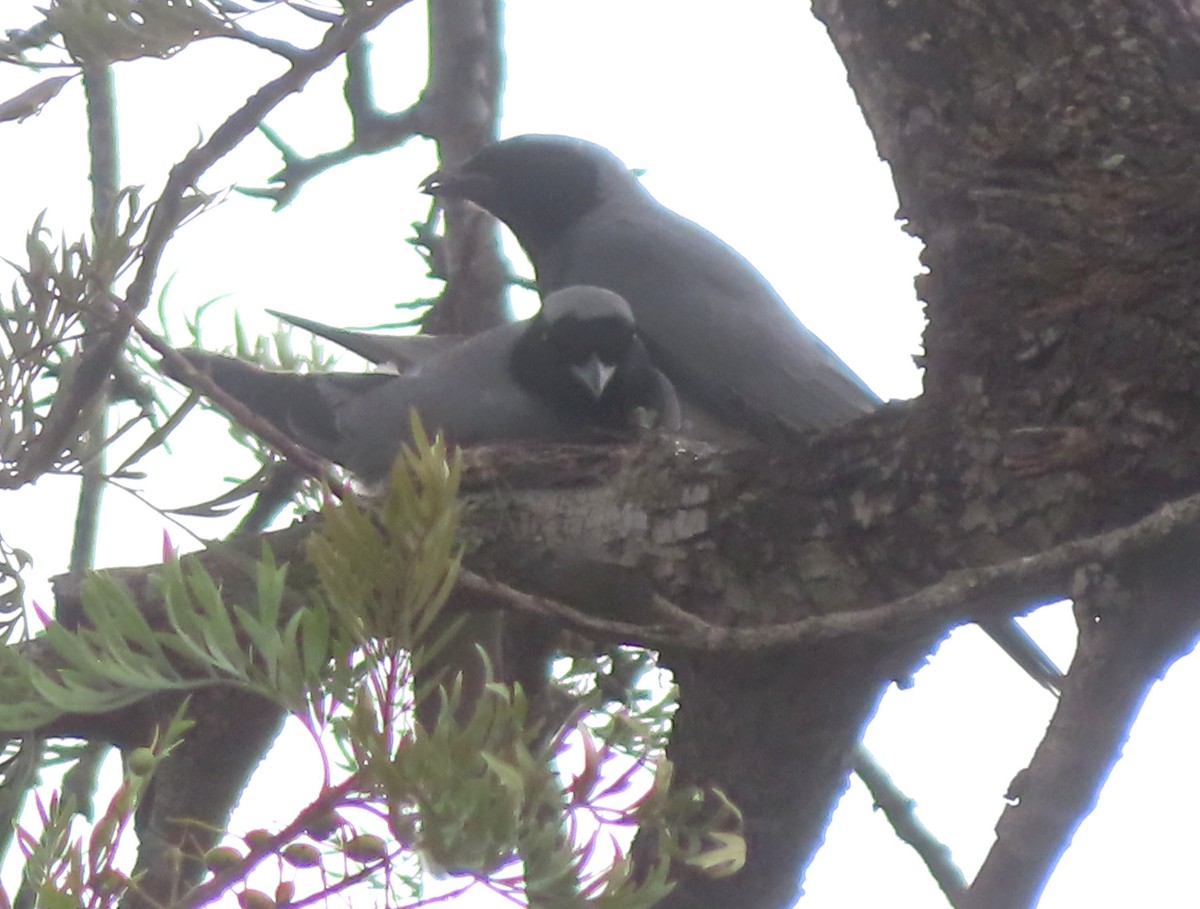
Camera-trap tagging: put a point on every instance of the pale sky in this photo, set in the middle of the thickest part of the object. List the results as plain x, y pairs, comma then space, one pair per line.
742, 120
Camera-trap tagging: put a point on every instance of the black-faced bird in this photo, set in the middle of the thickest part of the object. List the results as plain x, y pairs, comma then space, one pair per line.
574, 370
738, 357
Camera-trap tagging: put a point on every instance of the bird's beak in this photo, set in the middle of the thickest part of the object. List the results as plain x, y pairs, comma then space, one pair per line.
453, 184
436, 183
594, 375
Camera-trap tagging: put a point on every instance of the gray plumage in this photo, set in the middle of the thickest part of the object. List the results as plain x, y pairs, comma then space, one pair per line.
734, 351
404, 353
575, 370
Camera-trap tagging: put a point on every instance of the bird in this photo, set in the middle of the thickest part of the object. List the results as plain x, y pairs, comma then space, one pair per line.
575, 370
737, 355
741, 362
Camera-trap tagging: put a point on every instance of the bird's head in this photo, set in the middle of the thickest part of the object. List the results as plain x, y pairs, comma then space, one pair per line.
575, 348
589, 331
539, 185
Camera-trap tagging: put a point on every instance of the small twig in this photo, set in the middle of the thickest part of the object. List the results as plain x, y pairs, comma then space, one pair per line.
547, 608
282, 483
237, 126
373, 132
681, 616
316, 13
37, 35
360, 98
284, 49
141, 499
898, 808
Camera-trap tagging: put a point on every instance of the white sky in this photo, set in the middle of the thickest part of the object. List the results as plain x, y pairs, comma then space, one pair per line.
742, 120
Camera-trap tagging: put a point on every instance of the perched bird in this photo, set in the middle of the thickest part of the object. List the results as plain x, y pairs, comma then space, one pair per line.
574, 369
737, 356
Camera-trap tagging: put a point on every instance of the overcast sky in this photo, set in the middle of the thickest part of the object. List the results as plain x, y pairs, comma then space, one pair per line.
741, 118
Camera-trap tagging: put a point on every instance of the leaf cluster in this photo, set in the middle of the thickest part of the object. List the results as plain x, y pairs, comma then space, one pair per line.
387, 572
61, 301
104, 31
117, 657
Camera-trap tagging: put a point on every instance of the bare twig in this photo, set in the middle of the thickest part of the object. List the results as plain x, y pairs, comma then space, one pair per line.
17, 42
899, 810
284, 49
169, 208
374, 131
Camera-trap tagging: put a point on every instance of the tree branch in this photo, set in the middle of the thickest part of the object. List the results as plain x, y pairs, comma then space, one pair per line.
1134, 623
899, 810
169, 209
373, 131
460, 110
969, 594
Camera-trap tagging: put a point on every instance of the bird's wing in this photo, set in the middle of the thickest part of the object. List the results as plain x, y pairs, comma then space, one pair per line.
712, 322
407, 353
361, 420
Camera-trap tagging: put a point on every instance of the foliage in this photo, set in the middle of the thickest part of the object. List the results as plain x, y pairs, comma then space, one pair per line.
66, 870
476, 794
119, 657
12, 592
110, 30
60, 289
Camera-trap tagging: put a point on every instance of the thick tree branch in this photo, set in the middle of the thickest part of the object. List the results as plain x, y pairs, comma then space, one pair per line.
965, 595
1135, 620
